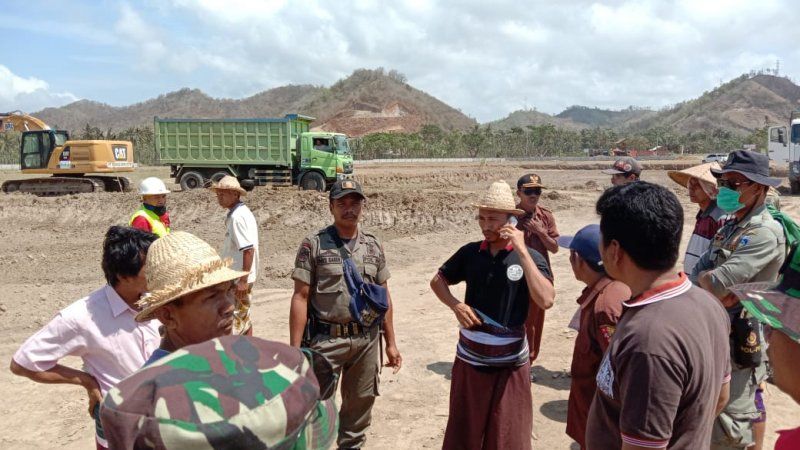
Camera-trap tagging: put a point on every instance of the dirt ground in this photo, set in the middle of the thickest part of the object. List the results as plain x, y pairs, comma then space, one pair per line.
50, 256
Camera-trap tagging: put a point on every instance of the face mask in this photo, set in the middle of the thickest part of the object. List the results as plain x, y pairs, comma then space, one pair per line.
728, 200
159, 210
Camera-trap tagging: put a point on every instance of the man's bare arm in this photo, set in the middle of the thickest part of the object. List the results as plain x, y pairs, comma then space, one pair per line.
298, 313
59, 374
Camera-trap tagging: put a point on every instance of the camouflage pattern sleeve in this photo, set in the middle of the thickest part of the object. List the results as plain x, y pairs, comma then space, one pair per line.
304, 262
229, 392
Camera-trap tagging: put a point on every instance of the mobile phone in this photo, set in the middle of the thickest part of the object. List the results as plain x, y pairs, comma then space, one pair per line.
512, 221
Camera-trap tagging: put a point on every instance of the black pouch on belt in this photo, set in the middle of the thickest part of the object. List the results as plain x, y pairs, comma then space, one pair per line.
746, 340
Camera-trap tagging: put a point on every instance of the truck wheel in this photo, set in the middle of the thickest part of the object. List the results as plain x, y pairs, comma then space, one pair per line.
192, 180
794, 187
218, 176
312, 181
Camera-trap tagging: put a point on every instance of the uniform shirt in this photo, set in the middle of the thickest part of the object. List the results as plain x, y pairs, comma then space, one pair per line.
487, 278
600, 309
660, 379
744, 251
319, 264
707, 224
532, 240
241, 233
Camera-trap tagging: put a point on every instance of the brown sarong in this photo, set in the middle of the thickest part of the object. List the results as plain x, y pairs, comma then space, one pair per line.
490, 408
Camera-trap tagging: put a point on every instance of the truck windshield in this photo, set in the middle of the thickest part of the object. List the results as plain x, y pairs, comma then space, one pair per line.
341, 145
796, 133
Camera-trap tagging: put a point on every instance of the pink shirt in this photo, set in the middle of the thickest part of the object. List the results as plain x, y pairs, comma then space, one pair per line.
102, 331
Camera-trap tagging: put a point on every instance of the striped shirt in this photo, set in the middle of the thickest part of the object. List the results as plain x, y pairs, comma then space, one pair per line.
492, 345
708, 222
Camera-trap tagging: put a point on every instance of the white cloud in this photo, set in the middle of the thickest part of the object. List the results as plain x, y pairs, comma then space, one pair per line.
28, 94
485, 58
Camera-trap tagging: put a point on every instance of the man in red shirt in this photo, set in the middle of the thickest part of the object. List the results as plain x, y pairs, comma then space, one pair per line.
600, 308
541, 233
152, 216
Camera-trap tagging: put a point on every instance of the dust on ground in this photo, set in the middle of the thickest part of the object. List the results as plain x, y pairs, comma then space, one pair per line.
50, 256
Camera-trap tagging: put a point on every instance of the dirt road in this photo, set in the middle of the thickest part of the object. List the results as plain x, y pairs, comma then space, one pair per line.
50, 256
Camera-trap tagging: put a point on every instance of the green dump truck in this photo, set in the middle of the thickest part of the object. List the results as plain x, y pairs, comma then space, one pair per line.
256, 151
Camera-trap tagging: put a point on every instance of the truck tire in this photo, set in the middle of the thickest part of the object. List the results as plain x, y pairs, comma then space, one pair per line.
218, 176
794, 187
312, 181
192, 180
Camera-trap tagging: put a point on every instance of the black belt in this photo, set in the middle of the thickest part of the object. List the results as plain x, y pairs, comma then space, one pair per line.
336, 330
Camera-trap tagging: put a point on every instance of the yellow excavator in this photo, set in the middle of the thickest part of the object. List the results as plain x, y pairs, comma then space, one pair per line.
75, 166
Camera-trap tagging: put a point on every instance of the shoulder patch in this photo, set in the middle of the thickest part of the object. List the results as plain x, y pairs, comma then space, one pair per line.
743, 241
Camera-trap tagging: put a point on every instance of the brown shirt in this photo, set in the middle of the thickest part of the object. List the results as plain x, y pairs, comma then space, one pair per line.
319, 264
659, 381
601, 306
532, 240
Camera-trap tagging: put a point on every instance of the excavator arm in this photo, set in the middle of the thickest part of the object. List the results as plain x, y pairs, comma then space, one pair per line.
19, 121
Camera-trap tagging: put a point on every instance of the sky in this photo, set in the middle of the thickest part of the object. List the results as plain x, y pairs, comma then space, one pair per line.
485, 58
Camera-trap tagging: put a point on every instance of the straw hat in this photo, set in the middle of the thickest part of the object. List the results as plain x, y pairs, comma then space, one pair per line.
499, 198
701, 173
230, 183
178, 264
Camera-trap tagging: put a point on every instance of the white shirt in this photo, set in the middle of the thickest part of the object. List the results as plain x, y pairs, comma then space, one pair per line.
241, 233
100, 329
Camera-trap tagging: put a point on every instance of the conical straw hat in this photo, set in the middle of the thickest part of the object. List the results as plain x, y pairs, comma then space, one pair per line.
230, 183
702, 173
499, 198
178, 264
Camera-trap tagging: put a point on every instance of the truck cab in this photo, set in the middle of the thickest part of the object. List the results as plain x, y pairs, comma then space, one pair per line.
323, 158
784, 147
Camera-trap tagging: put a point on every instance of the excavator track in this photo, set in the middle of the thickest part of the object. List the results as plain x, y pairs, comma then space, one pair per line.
54, 186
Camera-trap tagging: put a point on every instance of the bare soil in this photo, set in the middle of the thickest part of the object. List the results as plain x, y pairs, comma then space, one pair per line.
50, 256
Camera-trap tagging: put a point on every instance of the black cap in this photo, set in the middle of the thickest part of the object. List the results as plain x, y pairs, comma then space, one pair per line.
530, 180
345, 187
753, 165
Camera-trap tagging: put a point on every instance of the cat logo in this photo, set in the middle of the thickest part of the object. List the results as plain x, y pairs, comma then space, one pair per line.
120, 152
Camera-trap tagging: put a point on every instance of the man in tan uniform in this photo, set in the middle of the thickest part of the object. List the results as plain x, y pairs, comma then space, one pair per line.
320, 309
750, 247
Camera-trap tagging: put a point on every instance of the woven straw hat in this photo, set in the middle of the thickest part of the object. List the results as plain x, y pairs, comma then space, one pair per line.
178, 264
230, 183
701, 173
499, 198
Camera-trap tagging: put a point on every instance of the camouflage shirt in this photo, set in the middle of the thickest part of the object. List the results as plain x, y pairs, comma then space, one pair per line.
319, 264
234, 392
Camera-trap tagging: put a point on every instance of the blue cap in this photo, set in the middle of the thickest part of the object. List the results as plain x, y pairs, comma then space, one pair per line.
586, 242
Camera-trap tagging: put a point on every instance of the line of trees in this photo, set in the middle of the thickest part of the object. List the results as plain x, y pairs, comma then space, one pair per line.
542, 141
480, 142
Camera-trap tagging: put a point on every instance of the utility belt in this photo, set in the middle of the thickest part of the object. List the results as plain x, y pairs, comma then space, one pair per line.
336, 330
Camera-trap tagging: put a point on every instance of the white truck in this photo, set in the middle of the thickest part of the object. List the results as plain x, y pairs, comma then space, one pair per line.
783, 147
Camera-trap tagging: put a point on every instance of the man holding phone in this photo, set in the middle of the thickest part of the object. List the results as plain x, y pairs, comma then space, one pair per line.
490, 391
541, 234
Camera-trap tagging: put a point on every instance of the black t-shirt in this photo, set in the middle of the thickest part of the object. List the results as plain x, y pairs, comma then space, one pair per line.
495, 284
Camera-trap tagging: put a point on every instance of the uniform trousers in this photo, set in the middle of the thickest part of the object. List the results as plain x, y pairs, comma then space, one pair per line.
490, 408
356, 359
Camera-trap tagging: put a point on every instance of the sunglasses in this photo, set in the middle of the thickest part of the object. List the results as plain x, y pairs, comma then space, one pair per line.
532, 191
730, 184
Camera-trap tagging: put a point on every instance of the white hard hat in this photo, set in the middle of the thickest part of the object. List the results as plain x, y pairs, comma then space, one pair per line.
152, 186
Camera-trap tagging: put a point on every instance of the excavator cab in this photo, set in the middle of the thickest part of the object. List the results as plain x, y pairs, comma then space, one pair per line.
37, 147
